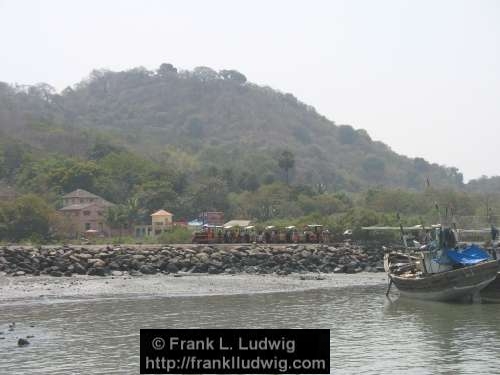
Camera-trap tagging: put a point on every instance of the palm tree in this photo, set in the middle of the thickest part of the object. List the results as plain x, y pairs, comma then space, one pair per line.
117, 218
286, 161
133, 212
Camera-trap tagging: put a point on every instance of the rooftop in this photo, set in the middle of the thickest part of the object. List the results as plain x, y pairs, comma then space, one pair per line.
162, 213
84, 194
80, 193
81, 206
237, 223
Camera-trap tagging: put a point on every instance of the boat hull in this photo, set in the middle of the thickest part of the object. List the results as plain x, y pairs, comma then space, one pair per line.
458, 284
492, 292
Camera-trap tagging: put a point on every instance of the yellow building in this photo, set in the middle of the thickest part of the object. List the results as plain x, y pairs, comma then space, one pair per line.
160, 221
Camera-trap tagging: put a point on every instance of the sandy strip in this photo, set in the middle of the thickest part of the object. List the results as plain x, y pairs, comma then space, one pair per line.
46, 287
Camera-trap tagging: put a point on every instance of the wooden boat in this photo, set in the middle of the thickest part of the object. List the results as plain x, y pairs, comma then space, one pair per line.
439, 270
492, 291
453, 284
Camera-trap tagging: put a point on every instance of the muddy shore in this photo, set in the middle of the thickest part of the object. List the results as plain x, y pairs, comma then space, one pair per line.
46, 288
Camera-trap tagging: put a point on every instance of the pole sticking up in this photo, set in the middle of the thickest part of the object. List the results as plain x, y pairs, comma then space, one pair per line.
388, 288
403, 235
405, 242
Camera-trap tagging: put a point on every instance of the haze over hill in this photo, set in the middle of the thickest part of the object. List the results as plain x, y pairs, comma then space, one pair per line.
208, 119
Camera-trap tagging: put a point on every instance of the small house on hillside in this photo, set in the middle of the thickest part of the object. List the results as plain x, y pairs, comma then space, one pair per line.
161, 221
86, 212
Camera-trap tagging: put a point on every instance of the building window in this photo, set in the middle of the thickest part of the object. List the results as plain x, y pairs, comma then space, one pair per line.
87, 226
86, 213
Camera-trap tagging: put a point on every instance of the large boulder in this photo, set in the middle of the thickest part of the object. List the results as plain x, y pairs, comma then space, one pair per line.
147, 269
84, 256
170, 267
96, 262
97, 271
202, 257
214, 270
78, 268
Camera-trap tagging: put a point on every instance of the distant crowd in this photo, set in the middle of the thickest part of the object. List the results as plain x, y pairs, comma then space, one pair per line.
310, 234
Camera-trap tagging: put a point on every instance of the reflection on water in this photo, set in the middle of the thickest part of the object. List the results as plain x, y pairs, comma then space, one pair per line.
368, 333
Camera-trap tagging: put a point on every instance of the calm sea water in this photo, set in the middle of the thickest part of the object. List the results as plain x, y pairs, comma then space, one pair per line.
369, 335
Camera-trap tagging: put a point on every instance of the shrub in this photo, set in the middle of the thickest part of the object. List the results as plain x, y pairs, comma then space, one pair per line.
176, 235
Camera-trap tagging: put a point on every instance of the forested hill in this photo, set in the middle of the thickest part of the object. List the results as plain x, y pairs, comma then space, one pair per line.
203, 119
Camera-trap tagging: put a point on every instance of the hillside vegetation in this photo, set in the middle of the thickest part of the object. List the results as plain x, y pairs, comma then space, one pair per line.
209, 119
199, 140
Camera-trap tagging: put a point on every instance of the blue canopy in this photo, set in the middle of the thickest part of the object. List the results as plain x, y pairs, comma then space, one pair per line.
469, 256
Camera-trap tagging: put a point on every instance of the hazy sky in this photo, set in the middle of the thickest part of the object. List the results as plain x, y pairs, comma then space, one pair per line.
421, 76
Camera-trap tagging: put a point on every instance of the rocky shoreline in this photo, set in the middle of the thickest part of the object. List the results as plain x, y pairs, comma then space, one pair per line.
67, 260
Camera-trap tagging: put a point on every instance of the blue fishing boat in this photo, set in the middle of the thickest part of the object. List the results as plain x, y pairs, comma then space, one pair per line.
441, 270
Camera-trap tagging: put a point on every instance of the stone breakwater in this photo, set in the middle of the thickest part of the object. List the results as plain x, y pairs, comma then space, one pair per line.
213, 259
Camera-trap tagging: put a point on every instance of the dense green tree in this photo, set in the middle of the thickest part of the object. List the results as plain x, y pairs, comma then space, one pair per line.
57, 175
74, 174
194, 127
103, 148
248, 181
485, 184
421, 165
13, 156
122, 173
134, 211
454, 174
117, 217
229, 177
374, 168
210, 194
27, 218
165, 69
205, 73
233, 75
155, 195
347, 134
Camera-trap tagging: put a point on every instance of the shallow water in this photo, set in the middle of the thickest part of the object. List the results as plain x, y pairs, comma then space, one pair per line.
369, 334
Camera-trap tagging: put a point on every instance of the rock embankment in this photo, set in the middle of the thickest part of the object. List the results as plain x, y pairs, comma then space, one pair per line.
264, 259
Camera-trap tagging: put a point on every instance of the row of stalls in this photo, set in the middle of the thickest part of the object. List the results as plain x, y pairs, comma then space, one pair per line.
228, 233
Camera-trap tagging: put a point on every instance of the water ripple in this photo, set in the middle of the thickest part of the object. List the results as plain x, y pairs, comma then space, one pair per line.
369, 335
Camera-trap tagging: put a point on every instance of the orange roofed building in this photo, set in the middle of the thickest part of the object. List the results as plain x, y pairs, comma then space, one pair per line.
161, 221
